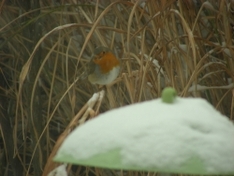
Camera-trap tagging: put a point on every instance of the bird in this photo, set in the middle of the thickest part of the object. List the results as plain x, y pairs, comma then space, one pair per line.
103, 67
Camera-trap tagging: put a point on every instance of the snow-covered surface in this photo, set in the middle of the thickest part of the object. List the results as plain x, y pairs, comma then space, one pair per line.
95, 97
59, 171
154, 134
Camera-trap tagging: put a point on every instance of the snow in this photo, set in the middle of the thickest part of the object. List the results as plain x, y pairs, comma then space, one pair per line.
154, 134
59, 171
95, 97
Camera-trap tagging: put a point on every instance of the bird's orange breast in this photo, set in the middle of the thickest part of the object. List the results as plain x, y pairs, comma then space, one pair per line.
107, 61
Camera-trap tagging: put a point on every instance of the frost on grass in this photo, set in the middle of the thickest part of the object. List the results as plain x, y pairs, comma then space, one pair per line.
155, 134
95, 97
59, 171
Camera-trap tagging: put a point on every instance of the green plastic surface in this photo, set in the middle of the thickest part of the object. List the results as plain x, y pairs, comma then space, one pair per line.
112, 160
168, 95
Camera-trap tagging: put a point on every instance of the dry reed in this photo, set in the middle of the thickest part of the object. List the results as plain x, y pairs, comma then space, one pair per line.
45, 47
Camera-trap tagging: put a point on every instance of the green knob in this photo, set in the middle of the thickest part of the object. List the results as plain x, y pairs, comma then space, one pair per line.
168, 95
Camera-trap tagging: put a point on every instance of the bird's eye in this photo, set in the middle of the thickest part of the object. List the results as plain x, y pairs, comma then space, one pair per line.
100, 55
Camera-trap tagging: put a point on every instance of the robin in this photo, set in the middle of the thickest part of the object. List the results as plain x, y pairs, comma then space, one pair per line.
104, 67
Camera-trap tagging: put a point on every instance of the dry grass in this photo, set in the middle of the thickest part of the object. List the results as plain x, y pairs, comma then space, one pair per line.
45, 47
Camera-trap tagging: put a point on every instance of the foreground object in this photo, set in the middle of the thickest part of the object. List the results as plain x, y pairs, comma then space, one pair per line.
182, 135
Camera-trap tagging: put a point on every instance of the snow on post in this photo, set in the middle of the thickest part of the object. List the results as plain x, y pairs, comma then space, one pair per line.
171, 135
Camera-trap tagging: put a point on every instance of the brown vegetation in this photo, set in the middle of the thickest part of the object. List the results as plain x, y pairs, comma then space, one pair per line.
45, 46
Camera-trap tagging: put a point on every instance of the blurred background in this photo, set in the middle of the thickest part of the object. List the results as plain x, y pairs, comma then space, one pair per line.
45, 46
